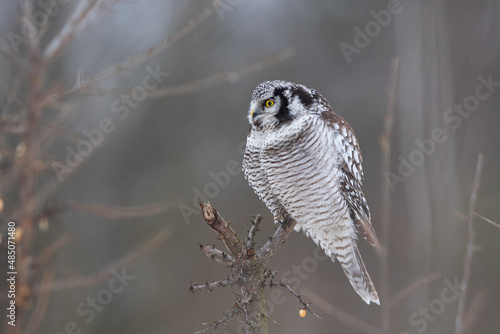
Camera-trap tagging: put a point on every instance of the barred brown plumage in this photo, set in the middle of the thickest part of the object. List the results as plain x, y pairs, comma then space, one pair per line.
303, 160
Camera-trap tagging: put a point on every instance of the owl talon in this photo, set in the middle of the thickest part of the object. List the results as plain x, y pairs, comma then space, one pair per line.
284, 219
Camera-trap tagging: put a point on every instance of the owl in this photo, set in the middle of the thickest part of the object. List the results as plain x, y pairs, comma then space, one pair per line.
304, 162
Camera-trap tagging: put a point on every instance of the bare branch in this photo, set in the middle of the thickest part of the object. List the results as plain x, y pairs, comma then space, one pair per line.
15, 59
217, 255
469, 251
210, 286
41, 305
223, 77
385, 142
220, 227
142, 56
86, 13
253, 230
121, 212
279, 237
248, 267
299, 297
110, 212
463, 216
148, 247
407, 291
5, 118
26, 7
48, 252
497, 225
475, 308
197, 85
231, 314
342, 316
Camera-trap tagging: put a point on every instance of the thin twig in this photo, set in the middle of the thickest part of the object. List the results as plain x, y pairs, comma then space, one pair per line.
45, 138
274, 321
469, 251
223, 77
341, 315
194, 86
279, 237
217, 255
26, 7
148, 247
472, 312
407, 291
84, 15
121, 212
104, 211
288, 286
385, 220
497, 225
463, 216
50, 250
210, 286
231, 314
220, 227
18, 61
41, 305
253, 230
142, 56
11, 93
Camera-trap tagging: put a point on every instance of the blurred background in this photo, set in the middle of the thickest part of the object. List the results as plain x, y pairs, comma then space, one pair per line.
119, 117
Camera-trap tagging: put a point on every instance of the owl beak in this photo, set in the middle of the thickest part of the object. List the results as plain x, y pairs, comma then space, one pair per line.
254, 113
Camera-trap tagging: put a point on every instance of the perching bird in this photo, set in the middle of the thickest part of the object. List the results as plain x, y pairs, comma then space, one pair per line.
304, 162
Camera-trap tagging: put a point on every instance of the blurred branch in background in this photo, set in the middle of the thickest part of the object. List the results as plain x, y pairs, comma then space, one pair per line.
142, 56
117, 212
85, 14
190, 87
476, 306
407, 291
469, 250
385, 142
36, 112
465, 217
353, 321
128, 260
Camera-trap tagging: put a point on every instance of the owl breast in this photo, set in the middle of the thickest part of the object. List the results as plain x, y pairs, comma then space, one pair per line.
303, 172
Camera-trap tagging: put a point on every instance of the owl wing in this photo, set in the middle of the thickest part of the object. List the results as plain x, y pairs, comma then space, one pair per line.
352, 175
306, 171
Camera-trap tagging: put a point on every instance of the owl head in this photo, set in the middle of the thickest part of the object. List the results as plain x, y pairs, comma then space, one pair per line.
277, 103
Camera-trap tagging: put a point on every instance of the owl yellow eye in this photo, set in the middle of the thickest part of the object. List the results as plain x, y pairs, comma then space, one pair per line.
269, 103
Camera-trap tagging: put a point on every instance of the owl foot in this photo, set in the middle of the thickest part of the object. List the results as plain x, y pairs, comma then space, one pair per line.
284, 218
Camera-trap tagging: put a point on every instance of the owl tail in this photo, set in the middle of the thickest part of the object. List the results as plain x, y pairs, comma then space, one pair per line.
356, 272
